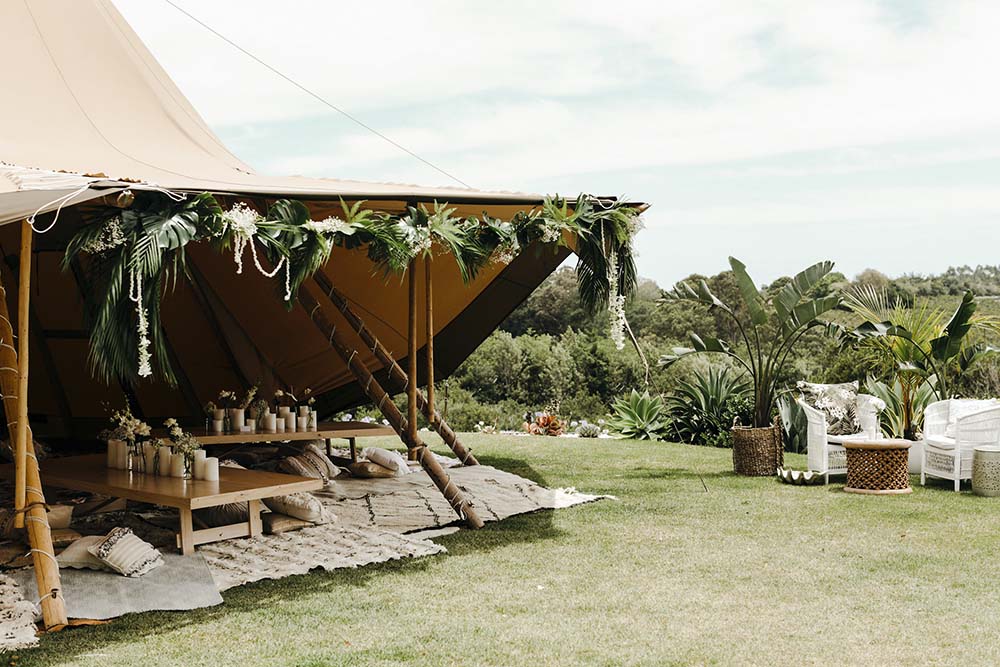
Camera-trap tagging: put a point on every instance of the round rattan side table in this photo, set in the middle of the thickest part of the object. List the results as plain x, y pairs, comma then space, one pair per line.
878, 467
986, 471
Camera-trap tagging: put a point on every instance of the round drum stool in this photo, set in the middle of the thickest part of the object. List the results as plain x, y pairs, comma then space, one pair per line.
878, 467
986, 471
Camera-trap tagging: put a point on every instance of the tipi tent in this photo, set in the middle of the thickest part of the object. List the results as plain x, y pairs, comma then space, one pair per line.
88, 114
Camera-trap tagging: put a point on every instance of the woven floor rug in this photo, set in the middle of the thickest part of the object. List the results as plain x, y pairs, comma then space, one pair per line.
373, 519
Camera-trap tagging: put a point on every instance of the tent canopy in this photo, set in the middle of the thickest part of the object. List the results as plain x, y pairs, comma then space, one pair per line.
92, 113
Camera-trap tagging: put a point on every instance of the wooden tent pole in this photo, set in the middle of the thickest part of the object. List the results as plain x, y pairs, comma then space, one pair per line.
39, 535
396, 372
411, 359
374, 391
429, 344
21, 450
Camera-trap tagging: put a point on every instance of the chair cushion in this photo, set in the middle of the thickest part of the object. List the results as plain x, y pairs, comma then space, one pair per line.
125, 553
940, 442
841, 439
839, 402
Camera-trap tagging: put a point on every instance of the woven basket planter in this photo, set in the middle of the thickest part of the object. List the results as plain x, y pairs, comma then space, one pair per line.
757, 452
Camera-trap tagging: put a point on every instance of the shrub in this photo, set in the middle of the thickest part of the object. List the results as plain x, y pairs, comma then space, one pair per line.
639, 417
587, 430
544, 424
704, 406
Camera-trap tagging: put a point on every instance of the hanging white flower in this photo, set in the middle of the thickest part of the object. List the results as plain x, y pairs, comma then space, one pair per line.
417, 239
242, 220
616, 304
135, 294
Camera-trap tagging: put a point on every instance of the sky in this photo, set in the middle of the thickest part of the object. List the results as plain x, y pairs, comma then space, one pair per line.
782, 133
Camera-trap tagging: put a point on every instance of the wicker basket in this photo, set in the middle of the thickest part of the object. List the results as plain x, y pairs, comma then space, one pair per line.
757, 452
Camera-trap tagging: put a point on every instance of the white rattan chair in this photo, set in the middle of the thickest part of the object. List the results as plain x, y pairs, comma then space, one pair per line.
952, 430
826, 452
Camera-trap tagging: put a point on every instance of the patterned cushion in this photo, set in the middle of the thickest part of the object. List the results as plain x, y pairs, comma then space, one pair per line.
77, 555
312, 462
224, 515
839, 402
303, 506
127, 554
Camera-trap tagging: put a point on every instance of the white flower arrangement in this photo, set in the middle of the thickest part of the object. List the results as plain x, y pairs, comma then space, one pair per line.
111, 237
551, 232
616, 305
329, 226
417, 239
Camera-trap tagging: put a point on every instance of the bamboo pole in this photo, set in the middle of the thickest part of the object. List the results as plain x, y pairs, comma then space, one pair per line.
429, 344
21, 450
411, 359
395, 371
374, 391
39, 535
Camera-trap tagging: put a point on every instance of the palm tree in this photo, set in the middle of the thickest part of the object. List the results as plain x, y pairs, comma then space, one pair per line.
918, 345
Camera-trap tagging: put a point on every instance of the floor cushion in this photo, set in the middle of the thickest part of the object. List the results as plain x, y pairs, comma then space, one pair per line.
77, 555
304, 506
387, 459
125, 553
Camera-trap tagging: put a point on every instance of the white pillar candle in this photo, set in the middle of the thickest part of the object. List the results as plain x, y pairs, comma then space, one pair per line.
198, 468
210, 469
303, 411
280, 425
270, 422
177, 465
252, 425
303, 424
218, 425
163, 467
219, 414
283, 410
236, 420
290, 423
112, 453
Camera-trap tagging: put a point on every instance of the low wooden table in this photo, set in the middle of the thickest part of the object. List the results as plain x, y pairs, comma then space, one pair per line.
349, 431
878, 467
90, 473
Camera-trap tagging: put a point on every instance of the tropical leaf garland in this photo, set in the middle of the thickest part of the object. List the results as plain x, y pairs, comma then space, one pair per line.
135, 254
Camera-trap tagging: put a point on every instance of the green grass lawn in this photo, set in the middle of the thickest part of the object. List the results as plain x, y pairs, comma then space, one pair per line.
691, 565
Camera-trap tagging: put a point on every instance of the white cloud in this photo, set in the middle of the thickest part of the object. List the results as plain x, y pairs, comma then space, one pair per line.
542, 96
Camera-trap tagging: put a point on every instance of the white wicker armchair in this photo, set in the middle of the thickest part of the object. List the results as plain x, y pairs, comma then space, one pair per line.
952, 430
826, 452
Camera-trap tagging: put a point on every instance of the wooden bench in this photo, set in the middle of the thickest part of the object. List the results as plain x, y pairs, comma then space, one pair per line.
89, 473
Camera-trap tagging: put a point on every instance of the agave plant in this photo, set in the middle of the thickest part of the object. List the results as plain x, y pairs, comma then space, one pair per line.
765, 341
924, 345
701, 406
639, 417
